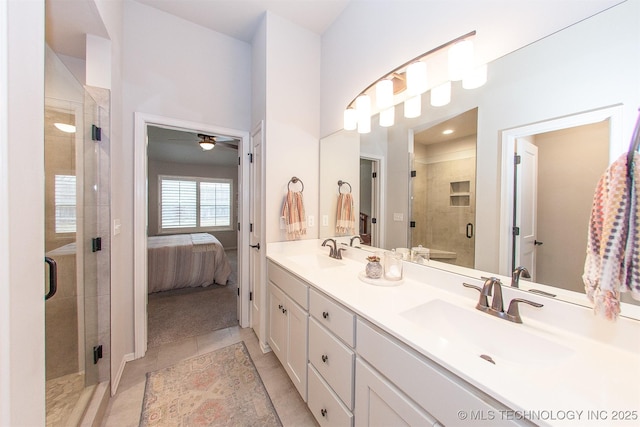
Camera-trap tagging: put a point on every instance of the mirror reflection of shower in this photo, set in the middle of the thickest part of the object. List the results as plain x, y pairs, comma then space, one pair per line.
443, 190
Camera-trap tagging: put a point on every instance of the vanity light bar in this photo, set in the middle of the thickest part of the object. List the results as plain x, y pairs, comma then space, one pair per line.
411, 78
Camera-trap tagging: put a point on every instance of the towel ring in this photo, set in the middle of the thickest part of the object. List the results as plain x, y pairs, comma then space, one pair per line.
295, 180
341, 183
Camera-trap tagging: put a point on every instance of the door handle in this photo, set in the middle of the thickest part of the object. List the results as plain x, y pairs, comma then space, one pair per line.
255, 246
53, 277
537, 243
469, 230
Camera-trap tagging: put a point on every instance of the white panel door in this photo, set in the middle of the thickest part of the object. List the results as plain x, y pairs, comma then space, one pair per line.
255, 232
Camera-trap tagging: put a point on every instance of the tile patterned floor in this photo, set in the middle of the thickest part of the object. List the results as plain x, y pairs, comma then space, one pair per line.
125, 407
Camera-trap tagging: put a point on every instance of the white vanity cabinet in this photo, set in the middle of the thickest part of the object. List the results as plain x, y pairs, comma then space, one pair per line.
331, 361
288, 323
394, 382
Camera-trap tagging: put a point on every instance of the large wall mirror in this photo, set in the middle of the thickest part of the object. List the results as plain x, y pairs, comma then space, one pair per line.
565, 104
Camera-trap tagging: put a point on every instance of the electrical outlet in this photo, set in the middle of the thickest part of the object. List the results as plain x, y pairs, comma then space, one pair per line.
398, 216
311, 221
325, 220
283, 225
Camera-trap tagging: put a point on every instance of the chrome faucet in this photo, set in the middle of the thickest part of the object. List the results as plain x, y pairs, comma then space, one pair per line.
517, 273
334, 252
497, 304
353, 238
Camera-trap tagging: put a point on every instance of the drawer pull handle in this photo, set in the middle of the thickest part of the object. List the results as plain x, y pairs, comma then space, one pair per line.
323, 412
280, 306
325, 358
325, 314
284, 311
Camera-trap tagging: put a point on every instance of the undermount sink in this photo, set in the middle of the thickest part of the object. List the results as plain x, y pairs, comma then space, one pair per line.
316, 260
486, 335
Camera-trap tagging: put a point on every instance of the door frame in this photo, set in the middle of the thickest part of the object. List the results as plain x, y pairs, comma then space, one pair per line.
508, 140
142, 120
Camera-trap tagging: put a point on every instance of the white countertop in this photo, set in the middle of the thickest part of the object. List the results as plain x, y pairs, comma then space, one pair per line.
591, 376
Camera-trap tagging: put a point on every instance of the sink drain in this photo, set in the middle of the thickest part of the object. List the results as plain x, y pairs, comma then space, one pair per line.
487, 358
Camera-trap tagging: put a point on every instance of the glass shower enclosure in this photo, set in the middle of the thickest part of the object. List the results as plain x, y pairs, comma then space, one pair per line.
76, 243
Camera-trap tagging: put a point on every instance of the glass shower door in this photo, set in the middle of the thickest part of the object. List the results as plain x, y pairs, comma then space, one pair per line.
71, 224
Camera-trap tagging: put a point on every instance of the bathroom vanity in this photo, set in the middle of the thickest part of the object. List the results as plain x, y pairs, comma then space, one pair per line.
420, 353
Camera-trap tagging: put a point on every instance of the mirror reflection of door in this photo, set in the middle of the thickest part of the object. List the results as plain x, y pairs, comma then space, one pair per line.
525, 206
443, 189
369, 201
556, 215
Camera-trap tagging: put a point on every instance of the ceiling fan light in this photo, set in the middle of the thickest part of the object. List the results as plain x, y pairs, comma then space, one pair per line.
350, 119
65, 127
441, 94
207, 145
460, 59
413, 107
475, 78
417, 78
384, 93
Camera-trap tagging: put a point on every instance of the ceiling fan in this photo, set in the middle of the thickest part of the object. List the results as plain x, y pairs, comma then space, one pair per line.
207, 142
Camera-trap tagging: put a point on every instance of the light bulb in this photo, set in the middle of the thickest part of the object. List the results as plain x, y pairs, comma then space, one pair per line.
384, 93
413, 107
387, 117
417, 78
441, 94
460, 59
350, 119
475, 78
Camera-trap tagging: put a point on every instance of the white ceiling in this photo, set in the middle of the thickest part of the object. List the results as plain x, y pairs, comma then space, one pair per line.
67, 21
181, 146
240, 18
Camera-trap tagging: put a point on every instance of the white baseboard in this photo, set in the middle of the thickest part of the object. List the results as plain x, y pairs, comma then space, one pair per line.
116, 380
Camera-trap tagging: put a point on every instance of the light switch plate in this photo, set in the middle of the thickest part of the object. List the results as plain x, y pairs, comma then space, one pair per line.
116, 227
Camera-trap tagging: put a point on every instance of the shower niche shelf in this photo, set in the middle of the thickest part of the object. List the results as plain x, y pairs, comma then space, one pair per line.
460, 194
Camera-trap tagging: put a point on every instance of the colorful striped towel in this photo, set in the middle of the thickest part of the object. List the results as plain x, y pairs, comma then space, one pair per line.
345, 218
612, 264
294, 216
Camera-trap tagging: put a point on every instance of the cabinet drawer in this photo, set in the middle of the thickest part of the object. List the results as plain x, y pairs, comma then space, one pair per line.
438, 391
333, 316
333, 360
296, 288
325, 406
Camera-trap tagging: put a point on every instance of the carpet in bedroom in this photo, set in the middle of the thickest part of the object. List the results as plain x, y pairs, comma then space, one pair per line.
182, 313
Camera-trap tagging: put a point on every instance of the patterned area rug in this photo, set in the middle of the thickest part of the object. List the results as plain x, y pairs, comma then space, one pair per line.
221, 388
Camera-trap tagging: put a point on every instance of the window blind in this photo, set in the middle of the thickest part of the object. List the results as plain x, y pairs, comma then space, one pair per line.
65, 203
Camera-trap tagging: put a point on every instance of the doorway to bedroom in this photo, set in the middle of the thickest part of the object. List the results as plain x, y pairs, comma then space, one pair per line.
193, 193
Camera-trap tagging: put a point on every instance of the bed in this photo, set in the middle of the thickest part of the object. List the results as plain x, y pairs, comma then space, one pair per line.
185, 260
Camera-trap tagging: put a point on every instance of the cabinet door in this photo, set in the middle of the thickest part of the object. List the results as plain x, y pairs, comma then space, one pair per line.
296, 363
277, 334
379, 403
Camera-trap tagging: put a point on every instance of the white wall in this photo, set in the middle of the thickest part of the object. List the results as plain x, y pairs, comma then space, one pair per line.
370, 39
292, 119
22, 376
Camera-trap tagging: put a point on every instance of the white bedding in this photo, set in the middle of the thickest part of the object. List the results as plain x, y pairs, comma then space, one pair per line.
186, 260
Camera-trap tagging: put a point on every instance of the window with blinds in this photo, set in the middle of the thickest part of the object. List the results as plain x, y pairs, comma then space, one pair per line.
194, 204
65, 203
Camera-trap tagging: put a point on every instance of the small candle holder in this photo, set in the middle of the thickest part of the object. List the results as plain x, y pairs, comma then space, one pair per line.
373, 269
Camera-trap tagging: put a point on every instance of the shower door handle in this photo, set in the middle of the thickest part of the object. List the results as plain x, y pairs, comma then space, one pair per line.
53, 277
